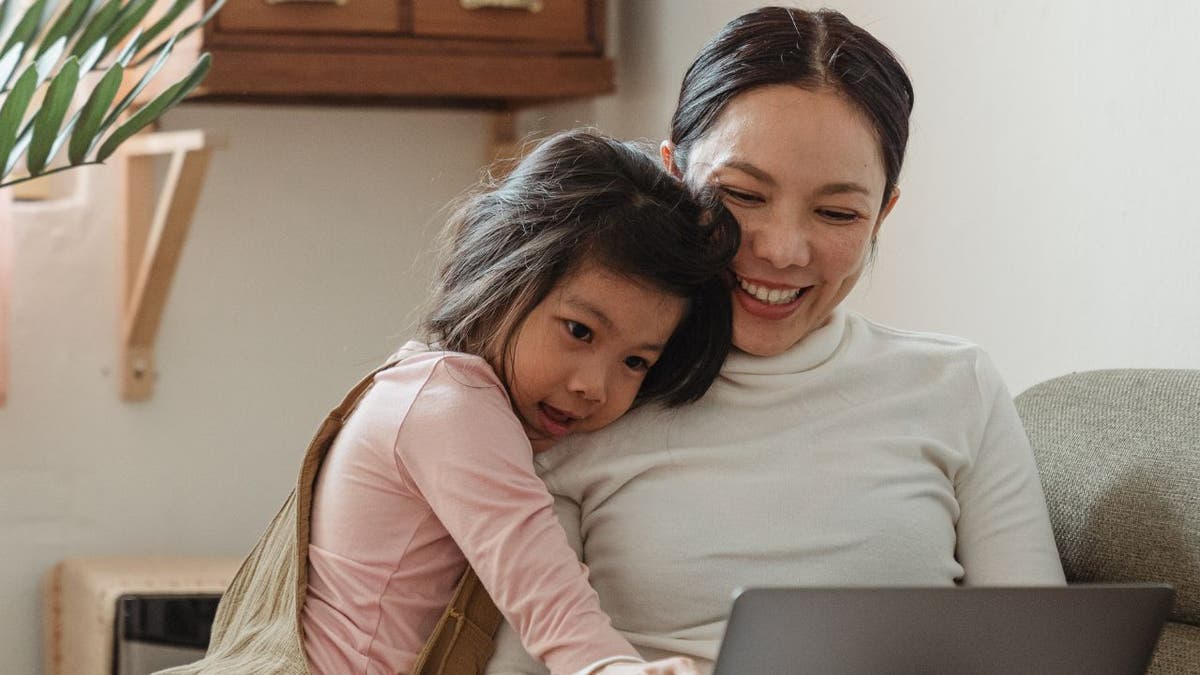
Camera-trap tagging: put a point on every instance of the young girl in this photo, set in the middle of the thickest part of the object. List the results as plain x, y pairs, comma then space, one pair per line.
586, 282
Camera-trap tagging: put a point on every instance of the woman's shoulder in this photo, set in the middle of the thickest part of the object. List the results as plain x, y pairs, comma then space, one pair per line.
925, 351
873, 334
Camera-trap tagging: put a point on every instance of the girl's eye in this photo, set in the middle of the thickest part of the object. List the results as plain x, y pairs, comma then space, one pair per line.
836, 216
740, 196
579, 331
637, 363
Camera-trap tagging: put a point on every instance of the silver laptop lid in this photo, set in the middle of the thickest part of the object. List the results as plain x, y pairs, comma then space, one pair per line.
1090, 628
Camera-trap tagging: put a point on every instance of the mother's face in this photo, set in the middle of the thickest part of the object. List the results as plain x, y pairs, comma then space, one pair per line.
802, 172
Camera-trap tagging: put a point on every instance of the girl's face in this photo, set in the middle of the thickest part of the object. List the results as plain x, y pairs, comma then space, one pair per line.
580, 357
802, 172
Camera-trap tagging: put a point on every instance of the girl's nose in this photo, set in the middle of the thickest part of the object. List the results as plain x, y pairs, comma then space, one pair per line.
588, 381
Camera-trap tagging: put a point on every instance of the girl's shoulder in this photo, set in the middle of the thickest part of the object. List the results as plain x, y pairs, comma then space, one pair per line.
454, 377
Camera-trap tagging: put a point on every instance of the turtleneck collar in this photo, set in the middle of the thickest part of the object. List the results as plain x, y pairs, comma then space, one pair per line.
816, 348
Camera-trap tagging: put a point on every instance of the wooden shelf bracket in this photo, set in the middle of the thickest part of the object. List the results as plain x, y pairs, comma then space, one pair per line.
152, 233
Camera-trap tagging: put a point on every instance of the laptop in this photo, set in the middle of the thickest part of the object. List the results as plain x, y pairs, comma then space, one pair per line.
1086, 628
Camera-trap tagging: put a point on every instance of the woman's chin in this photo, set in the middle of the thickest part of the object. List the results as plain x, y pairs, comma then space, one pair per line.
760, 336
757, 341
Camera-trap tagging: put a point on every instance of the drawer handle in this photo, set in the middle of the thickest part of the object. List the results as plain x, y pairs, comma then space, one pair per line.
531, 6
339, 3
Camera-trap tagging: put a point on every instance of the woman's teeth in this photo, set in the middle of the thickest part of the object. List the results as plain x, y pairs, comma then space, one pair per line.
771, 296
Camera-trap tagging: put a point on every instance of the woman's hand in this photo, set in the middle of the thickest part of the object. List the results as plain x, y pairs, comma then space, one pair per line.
676, 665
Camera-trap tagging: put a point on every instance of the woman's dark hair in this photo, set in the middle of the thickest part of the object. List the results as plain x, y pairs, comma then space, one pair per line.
782, 45
583, 197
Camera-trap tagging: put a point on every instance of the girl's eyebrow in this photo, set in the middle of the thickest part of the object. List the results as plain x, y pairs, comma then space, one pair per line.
588, 308
579, 304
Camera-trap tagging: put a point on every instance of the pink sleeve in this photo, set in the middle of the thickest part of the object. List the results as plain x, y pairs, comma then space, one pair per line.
466, 454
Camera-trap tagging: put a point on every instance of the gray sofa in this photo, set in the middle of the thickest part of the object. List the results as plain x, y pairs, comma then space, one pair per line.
1119, 454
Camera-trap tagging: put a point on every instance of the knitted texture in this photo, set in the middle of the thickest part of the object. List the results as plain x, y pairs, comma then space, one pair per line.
1119, 455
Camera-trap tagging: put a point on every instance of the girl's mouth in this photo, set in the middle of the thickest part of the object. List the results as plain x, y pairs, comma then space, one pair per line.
556, 423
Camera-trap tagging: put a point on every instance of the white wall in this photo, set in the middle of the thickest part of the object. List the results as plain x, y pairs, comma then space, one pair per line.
1047, 214
1049, 194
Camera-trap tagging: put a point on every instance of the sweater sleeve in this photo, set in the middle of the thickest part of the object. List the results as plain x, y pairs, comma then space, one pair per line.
466, 455
1004, 535
510, 657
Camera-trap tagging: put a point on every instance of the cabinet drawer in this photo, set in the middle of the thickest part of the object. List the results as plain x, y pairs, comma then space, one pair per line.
559, 21
310, 16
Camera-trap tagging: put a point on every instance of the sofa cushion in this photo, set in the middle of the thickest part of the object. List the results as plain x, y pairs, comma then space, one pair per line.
1119, 455
1178, 651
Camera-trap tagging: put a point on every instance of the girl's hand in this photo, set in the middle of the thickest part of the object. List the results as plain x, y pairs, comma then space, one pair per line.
676, 665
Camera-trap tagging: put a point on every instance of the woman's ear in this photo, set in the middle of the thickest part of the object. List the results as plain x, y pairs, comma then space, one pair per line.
887, 209
667, 151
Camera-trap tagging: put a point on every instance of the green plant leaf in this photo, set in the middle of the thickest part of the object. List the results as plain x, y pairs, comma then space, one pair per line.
97, 27
131, 46
154, 109
137, 88
129, 18
184, 32
5, 7
49, 59
87, 131
18, 149
27, 27
163, 23
91, 56
8, 64
12, 112
49, 117
64, 134
67, 23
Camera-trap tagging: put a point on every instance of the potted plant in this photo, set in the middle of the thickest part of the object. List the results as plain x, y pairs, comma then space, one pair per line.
45, 55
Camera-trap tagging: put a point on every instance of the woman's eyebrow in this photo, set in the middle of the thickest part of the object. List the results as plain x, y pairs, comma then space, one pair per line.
843, 188
753, 171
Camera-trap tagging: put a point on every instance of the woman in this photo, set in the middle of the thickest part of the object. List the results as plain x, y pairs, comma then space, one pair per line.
831, 450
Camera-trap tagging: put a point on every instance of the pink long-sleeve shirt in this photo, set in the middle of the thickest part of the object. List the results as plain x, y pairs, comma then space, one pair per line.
431, 471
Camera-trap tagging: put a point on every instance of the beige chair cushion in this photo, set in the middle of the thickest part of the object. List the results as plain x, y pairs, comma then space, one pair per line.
79, 600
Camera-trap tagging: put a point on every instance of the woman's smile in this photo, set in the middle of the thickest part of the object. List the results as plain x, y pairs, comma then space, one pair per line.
769, 301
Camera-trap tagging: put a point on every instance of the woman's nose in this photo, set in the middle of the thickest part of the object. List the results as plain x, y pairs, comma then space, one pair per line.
783, 244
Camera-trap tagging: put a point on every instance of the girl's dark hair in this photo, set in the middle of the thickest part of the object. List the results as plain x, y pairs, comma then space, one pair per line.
580, 196
809, 49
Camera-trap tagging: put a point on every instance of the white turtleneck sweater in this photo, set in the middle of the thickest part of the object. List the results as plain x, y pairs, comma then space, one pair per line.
864, 455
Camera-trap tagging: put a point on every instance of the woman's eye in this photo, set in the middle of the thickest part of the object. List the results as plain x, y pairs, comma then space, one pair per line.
637, 363
740, 196
579, 331
838, 216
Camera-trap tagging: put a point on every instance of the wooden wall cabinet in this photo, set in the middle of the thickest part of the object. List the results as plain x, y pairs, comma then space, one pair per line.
480, 53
